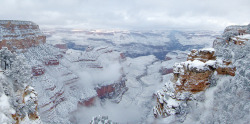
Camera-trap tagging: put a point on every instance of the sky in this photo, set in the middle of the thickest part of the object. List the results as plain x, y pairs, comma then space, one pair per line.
129, 14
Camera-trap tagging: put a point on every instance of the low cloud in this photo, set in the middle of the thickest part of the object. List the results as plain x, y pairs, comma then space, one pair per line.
108, 75
116, 112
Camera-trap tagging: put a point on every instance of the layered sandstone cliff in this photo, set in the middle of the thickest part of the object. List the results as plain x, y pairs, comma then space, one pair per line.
190, 77
20, 34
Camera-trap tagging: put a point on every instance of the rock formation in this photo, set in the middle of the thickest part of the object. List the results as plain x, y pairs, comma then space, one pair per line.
190, 77
185, 95
20, 34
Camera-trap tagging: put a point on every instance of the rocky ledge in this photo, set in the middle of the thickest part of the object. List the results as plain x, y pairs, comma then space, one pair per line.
191, 77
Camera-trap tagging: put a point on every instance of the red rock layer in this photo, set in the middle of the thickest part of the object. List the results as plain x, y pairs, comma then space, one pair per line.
20, 34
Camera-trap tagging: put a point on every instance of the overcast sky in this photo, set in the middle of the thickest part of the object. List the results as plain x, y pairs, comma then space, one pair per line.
129, 14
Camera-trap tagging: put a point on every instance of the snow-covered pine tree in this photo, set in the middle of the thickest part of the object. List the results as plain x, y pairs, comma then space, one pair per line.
15, 67
6, 58
20, 72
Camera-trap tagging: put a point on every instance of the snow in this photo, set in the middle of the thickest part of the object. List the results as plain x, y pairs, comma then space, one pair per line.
194, 65
5, 109
4, 103
245, 36
26, 120
208, 49
172, 102
211, 62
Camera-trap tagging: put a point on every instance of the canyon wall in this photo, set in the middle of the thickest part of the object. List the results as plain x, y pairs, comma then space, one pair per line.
20, 34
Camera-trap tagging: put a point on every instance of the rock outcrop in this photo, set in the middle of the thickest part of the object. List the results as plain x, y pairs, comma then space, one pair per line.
191, 77
223, 69
20, 34
113, 90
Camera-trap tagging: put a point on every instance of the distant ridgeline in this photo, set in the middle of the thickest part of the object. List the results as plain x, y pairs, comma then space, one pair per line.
16, 34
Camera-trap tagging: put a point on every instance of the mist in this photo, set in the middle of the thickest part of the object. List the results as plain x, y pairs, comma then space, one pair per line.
116, 112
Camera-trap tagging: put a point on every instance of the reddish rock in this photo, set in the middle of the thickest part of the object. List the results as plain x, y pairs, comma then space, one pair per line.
241, 31
238, 42
165, 71
193, 82
38, 70
122, 56
104, 90
20, 34
61, 46
51, 88
196, 80
51, 61
59, 56
226, 70
89, 102
227, 62
202, 55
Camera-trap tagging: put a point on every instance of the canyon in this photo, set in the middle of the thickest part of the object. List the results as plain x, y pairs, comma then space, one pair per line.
70, 76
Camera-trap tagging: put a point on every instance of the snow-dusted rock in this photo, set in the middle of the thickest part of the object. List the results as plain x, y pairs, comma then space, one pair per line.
212, 103
18, 100
16, 34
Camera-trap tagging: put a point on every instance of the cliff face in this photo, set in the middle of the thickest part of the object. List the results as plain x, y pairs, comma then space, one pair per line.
20, 34
190, 77
16, 94
18, 100
208, 77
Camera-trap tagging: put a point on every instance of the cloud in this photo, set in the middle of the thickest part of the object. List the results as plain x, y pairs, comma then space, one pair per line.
129, 14
115, 112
